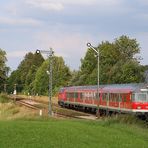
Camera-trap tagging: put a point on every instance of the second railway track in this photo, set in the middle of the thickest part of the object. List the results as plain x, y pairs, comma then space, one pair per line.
57, 111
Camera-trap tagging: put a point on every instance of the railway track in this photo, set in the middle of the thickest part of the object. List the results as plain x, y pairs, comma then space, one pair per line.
56, 109
21, 102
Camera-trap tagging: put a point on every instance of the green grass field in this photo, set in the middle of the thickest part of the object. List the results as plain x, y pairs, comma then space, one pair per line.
57, 133
22, 128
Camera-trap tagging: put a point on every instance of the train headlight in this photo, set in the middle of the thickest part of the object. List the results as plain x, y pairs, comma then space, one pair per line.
138, 107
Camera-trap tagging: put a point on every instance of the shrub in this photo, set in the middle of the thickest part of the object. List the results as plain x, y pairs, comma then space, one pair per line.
4, 98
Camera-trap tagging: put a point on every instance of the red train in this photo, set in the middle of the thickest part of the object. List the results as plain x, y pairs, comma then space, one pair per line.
124, 98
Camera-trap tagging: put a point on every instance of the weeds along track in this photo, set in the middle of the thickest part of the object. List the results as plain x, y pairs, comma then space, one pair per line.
56, 109
29, 105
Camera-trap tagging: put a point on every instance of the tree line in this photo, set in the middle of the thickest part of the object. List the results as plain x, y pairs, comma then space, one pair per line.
118, 64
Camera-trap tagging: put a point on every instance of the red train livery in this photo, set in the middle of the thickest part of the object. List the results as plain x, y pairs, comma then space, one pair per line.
126, 98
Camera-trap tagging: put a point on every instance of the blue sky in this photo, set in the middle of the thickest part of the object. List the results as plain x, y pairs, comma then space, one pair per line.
67, 25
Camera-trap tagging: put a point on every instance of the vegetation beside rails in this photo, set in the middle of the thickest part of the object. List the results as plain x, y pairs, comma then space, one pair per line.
21, 128
4, 98
10, 111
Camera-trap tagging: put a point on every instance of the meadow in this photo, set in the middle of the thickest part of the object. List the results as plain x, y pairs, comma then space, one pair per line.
54, 133
21, 129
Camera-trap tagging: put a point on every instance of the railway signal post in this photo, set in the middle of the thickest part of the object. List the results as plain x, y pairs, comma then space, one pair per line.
49, 53
97, 52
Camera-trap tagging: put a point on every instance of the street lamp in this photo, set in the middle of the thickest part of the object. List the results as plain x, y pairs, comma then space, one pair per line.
49, 53
97, 52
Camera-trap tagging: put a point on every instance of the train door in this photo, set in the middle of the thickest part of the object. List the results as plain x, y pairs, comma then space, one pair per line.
116, 100
104, 99
81, 97
125, 100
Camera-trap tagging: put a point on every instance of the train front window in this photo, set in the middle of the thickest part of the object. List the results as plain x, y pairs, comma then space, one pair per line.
141, 97
133, 97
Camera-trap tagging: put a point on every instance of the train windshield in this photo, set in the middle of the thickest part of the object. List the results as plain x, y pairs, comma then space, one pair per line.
141, 97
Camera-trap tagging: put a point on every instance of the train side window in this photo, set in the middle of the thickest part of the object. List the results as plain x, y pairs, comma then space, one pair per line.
133, 97
111, 97
75, 95
116, 97
68, 95
124, 97
90, 95
81, 96
142, 97
104, 96
71, 95
119, 96
96, 95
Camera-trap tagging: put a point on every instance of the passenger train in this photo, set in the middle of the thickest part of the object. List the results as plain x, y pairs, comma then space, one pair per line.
123, 98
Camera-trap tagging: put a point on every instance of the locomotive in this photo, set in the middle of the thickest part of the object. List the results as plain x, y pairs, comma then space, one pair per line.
123, 98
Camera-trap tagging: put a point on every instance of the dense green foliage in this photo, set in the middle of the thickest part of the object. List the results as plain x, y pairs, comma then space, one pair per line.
24, 76
31, 75
60, 74
71, 134
118, 63
3, 69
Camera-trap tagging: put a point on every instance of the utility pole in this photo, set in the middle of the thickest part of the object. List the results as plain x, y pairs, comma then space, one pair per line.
49, 53
97, 52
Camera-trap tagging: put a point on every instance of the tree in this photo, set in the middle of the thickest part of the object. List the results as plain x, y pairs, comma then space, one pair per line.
14, 79
37, 61
25, 73
3, 69
124, 68
117, 63
61, 76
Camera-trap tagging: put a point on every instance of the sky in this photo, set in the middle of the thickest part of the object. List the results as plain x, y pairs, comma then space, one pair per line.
67, 26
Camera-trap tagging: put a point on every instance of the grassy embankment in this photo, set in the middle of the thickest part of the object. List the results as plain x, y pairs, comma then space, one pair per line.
39, 132
71, 134
10, 111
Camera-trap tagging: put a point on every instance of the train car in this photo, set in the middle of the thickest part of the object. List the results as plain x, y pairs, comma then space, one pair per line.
124, 98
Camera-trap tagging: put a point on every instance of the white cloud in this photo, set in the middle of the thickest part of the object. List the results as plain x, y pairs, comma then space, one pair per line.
80, 2
58, 5
11, 9
65, 44
87, 2
109, 2
45, 4
16, 54
19, 21
70, 45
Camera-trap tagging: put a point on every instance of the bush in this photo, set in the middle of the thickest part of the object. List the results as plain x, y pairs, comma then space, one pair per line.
4, 98
127, 119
